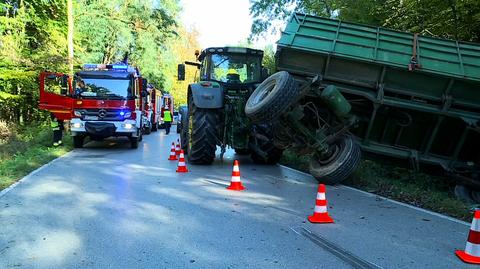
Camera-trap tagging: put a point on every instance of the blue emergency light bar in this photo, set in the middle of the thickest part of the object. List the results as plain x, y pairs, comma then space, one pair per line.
112, 67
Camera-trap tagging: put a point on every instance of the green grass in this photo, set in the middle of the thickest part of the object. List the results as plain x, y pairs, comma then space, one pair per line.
434, 193
25, 150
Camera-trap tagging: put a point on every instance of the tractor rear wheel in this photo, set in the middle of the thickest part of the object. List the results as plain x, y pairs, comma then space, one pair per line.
202, 134
338, 166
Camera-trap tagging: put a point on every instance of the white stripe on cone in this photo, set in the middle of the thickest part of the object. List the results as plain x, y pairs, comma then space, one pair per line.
235, 179
473, 249
475, 225
236, 169
320, 196
320, 209
181, 163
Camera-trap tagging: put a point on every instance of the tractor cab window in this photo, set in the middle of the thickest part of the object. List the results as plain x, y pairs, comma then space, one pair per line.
103, 88
235, 68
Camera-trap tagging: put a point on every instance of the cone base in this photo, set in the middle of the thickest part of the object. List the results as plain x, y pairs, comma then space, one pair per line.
173, 158
182, 170
236, 186
465, 257
320, 218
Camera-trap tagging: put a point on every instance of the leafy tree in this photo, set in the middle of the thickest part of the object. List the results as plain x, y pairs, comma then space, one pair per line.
457, 19
33, 38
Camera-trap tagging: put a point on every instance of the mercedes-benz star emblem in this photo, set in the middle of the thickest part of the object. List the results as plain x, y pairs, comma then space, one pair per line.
102, 113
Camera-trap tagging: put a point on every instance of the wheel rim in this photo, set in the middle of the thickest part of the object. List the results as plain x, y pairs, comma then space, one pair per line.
259, 97
335, 150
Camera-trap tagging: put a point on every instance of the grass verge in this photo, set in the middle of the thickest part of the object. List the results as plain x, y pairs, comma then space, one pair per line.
434, 193
26, 149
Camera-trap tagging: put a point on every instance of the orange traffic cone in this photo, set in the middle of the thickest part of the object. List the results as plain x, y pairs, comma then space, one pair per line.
173, 156
177, 148
320, 214
472, 250
182, 167
235, 183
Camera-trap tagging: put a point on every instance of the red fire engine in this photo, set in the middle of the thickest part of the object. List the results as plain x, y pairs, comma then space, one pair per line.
100, 101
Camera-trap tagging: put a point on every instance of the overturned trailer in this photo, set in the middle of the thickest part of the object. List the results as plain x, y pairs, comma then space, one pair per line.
401, 95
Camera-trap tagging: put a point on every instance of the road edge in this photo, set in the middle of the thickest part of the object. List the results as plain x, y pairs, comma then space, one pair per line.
385, 198
9, 188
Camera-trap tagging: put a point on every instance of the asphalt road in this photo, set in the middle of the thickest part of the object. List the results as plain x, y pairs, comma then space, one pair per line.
108, 206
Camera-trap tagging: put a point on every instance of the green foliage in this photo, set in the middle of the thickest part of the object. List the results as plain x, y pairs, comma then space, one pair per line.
455, 19
24, 149
33, 38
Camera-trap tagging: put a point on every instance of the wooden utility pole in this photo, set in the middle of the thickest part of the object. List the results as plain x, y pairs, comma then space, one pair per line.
70, 36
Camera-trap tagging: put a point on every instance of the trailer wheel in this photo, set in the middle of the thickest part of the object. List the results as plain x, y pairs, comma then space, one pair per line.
202, 133
271, 98
339, 165
78, 141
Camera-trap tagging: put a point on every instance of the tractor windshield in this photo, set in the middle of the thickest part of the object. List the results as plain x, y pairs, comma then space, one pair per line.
236, 68
102, 88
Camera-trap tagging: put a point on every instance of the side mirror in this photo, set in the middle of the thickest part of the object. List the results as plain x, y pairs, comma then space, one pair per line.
265, 73
181, 72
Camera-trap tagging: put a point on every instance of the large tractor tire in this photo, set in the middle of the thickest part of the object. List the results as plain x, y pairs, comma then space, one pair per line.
271, 98
339, 165
202, 134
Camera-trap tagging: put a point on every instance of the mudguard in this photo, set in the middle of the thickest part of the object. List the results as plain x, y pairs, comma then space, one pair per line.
207, 94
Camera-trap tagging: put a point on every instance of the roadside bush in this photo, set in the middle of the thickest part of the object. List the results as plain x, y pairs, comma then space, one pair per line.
5, 132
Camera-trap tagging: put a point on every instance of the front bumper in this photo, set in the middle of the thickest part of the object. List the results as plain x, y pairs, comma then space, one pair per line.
103, 128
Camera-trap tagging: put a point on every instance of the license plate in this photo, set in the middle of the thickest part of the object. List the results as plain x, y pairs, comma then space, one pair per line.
91, 117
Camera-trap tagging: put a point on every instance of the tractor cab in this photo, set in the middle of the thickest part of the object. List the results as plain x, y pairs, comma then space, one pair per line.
231, 65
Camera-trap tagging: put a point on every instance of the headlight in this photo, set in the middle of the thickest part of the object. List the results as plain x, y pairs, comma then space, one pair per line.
77, 113
127, 126
77, 125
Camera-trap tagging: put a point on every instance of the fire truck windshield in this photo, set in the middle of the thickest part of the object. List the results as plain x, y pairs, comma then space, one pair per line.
103, 88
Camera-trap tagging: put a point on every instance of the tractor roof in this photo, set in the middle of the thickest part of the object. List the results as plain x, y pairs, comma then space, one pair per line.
227, 50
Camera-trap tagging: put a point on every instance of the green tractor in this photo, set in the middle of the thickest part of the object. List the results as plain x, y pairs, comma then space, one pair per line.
215, 116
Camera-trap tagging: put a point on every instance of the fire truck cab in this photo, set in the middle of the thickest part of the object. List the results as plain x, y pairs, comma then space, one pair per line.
100, 101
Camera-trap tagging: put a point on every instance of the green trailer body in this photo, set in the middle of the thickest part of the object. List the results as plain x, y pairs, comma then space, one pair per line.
416, 98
